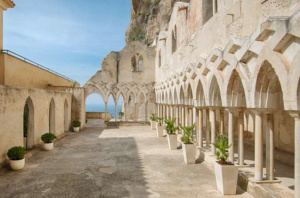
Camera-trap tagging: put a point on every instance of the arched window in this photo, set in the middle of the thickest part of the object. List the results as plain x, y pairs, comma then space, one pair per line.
133, 63
141, 64
174, 39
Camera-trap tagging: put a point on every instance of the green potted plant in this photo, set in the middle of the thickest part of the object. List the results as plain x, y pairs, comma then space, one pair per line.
48, 138
76, 125
188, 147
226, 173
153, 121
171, 133
160, 127
121, 114
17, 157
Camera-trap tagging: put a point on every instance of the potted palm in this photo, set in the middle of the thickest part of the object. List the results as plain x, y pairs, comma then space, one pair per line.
121, 114
171, 133
17, 157
76, 125
153, 121
226, 173
48, 138
188, 147
160, 127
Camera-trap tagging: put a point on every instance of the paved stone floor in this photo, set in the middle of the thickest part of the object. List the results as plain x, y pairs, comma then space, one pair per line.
98, 162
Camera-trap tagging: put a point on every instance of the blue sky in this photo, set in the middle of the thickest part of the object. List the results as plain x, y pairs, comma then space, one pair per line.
68, 36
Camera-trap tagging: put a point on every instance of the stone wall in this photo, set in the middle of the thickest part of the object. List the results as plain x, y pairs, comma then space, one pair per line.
130, 74
13, 100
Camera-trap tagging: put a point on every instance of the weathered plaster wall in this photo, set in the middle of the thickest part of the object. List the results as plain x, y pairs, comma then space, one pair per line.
13, 99
15, 72
118, 76
78, 105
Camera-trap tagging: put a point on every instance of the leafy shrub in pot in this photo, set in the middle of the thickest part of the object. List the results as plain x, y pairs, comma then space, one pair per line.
171, 133
153, 118
76, 125
159, 127
17, 157
226, 173
48, 139
188, 147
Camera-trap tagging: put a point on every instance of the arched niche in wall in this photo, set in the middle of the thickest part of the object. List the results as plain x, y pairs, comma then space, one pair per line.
141, 64
133, 63
66, 116
52, 117
28, 124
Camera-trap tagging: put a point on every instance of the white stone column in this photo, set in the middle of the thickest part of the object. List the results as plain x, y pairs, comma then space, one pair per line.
200, 128
105, 111
215, 6
158, 110
146, 111
195, 120
258, 146
207, 130
182, 116
177, 115
213, 130
186, 116
116, 111
241, 137
221, 122
125, 112
297, 157
230, 136
270, 147
136, 111
171, 112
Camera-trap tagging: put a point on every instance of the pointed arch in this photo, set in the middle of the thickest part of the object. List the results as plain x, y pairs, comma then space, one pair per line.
28, 123
66, 116
214, 93
190, 95
268, 92
52, 123
200, 98
235, 91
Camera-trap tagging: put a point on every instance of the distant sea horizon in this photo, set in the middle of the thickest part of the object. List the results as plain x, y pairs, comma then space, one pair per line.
101, 108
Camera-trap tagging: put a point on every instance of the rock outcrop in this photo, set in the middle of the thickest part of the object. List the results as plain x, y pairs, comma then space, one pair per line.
148, 18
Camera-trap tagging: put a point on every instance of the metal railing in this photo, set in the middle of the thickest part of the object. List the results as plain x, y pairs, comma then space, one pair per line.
36, 64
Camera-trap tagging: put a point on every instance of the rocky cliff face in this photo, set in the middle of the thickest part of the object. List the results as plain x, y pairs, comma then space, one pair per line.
148, 18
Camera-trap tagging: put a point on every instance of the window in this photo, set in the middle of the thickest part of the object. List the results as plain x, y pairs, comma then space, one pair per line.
141, 64
210, 7
133, 63
174, 39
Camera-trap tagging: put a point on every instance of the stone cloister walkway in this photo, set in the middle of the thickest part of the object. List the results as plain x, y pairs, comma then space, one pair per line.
102, 162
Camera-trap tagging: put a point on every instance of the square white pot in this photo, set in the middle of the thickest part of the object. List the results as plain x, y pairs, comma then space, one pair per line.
153, 125
172, 141
189, 153
160, 131
226, 177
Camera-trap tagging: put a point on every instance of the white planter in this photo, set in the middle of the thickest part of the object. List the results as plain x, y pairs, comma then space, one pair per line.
160, 131
76, 129
172, 140
48, 146
189, 153
17, 164
153, 125
226, 177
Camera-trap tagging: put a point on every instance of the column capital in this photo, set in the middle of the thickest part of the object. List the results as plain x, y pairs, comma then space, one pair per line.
295, 114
